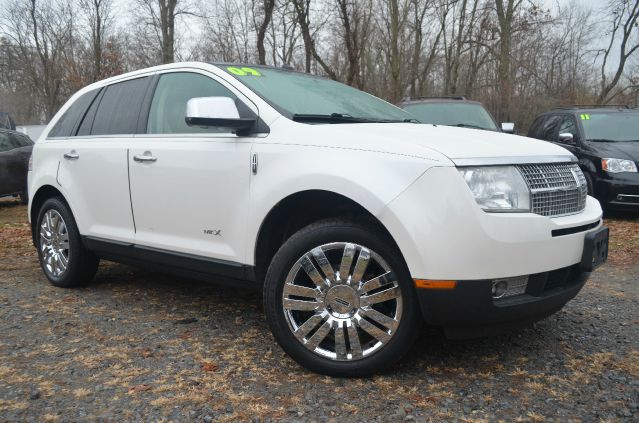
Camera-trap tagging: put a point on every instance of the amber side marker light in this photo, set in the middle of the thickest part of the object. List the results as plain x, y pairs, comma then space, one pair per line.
429, 284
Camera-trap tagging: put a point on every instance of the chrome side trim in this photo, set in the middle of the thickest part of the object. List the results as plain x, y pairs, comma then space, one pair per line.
513, 160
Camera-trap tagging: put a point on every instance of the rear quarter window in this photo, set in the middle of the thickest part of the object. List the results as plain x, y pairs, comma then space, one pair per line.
119, 108
66, 125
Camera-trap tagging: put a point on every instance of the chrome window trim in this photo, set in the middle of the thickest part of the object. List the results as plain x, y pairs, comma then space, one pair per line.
514, 160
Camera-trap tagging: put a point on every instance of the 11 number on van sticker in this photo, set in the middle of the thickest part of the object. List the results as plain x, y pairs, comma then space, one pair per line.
585, 116
243, 71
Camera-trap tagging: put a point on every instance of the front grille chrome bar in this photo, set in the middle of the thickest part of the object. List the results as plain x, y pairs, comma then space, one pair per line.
556, 189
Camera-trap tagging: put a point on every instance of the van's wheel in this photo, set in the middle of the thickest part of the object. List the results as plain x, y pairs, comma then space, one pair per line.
340, 300
63, 257
24, 196
589, 183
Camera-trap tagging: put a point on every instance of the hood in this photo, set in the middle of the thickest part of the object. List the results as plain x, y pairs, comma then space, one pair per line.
432, 142
616, 150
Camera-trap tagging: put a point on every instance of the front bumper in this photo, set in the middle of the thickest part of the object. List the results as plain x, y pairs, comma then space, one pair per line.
620, 192
444, 235
469, 310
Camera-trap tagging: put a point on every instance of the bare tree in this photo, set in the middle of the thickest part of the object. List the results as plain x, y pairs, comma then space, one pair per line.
41, 33
267, 10
161, 16
302, 10
624, 24
505, 18
99, 17
355, 19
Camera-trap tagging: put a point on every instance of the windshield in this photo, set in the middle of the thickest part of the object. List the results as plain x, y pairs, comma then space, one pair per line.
305, 97
611, 126
452, 114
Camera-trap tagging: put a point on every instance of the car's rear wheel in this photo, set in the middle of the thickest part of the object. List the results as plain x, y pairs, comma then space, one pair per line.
339, 299
63, 258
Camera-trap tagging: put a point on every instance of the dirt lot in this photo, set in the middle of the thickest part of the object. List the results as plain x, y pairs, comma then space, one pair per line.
141, 346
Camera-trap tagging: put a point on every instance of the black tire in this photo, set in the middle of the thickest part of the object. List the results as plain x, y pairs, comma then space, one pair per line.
24, 196
325, 232
82, 263
589, 184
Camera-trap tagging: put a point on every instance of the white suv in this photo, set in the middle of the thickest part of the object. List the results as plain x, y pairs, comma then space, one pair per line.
358, 222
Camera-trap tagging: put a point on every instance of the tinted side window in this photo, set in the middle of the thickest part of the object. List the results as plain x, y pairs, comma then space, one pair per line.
119, 108
65, 126
5, 142
567, 125
535, 128
21, 140
548, 130
173, 91
87, 122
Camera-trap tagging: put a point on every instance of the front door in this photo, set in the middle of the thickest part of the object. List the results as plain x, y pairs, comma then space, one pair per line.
189, 186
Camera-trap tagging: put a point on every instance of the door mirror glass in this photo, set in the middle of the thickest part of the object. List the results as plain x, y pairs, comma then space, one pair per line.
215, 111
566, 138
508, 127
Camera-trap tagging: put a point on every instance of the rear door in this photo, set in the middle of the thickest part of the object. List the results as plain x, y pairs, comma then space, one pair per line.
9, 166
192, 198
21, 153
93, 161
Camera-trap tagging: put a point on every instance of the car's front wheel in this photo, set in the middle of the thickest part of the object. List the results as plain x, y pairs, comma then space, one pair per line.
339, 299
64, 259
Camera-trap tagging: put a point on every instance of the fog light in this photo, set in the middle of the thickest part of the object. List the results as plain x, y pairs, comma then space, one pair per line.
509, 287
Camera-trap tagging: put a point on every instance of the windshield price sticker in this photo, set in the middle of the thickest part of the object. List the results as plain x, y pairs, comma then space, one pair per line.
585, 116
243, 71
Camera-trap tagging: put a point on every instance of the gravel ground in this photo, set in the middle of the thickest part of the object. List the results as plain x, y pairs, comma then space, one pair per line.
137, 345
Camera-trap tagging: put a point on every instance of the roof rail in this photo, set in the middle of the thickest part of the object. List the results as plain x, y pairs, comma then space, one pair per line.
595, 106
435, 97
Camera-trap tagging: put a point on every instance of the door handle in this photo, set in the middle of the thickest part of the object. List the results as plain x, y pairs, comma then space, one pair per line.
71, 155
145, 158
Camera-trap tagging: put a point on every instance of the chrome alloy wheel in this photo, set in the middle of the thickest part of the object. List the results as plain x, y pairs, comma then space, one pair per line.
54, 243
342, 301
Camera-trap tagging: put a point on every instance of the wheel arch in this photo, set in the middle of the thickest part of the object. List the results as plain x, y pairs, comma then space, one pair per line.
41, 195
588, 165
298, 210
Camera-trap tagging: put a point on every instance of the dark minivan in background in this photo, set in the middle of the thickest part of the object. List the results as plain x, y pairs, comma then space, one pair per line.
453, 111
605, 139
15, 151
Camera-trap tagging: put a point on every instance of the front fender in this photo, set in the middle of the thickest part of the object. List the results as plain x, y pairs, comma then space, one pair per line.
371, 179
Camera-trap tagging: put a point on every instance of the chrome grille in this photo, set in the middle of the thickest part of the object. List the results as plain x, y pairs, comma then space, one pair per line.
556, 189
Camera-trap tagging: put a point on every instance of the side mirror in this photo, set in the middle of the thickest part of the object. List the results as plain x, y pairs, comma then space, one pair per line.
220, 112
566, 138
508, 127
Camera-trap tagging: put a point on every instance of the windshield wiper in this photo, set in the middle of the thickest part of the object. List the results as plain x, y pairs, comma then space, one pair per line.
468, 125
607, 140
345, 118
332, 118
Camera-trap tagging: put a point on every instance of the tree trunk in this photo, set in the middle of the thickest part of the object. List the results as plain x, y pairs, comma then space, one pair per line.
268, 6
167, 29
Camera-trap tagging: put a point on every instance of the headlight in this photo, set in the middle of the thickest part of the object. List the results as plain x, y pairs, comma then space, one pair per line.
498, 188
618, 165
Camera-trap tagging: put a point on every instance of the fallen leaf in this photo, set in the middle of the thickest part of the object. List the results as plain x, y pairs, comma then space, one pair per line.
146, 353
209, 367
70, 299
139, 388
185, 335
